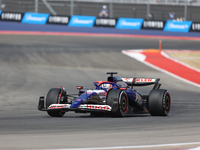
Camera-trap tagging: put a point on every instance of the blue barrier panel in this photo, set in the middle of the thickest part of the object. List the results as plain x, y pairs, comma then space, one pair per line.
0, 12
129, 23
177, 26
82, 21
35, 18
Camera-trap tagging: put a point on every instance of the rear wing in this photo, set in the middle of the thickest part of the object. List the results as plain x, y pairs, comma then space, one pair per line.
142, 82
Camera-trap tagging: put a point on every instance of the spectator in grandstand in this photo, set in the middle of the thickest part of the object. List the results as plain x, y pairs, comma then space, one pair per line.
104, 13
171, 15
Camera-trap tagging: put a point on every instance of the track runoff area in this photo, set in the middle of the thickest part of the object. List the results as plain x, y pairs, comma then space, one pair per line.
162, 60
166, 61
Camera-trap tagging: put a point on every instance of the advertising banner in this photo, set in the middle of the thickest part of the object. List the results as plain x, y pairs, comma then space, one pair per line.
149, 24
105, 22
11, 16
129, 23
35, 18
55, 19
82, 21
195, 27
177, 26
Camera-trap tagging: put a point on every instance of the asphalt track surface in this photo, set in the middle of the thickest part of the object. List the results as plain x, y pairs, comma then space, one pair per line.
32, 64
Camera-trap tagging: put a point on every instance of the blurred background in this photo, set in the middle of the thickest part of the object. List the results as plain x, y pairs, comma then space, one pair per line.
146, 9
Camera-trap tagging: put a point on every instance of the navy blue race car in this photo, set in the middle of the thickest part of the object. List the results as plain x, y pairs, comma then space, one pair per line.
114, 97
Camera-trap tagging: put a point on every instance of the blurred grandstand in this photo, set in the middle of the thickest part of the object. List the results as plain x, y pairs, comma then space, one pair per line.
147, 9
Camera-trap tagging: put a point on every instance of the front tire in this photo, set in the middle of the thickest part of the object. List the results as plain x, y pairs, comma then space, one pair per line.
118, 100
159, 102
53, 98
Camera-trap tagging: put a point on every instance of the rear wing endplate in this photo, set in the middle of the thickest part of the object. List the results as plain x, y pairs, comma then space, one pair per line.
142, 82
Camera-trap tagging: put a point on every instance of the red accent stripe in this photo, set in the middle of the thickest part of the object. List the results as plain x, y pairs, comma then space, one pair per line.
98, 34
171, 66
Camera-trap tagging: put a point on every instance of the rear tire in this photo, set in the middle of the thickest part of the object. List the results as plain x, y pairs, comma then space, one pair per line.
52, 98
118, 100
159, 102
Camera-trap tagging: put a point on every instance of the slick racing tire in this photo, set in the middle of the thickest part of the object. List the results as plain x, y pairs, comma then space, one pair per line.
159, 102
52, 98
118, 100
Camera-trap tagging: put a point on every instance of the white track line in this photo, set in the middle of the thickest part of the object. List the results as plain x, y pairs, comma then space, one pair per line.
197, 148
133, 147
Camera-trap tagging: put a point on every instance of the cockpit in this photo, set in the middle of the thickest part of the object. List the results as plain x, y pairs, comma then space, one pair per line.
105, 85
118, 81
114, 82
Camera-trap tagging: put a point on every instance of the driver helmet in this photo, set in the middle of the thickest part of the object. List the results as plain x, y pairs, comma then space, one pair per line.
107, 86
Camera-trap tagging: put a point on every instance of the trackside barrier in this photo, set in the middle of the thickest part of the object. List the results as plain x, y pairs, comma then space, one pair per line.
129, 23
35, 18
58, 19
11, 16
92, 21
195, 27
82, 21
105, 22
177, 26
153, 24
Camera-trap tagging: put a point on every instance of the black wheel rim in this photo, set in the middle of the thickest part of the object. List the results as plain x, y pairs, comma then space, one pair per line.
167, 103
124, 104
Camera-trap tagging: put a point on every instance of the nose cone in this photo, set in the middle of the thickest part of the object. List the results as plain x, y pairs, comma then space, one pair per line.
83, 97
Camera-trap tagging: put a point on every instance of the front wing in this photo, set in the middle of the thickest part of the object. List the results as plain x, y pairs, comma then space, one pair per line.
83, 107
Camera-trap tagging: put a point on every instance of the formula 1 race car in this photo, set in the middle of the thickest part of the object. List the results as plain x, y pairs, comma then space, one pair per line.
114, 97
